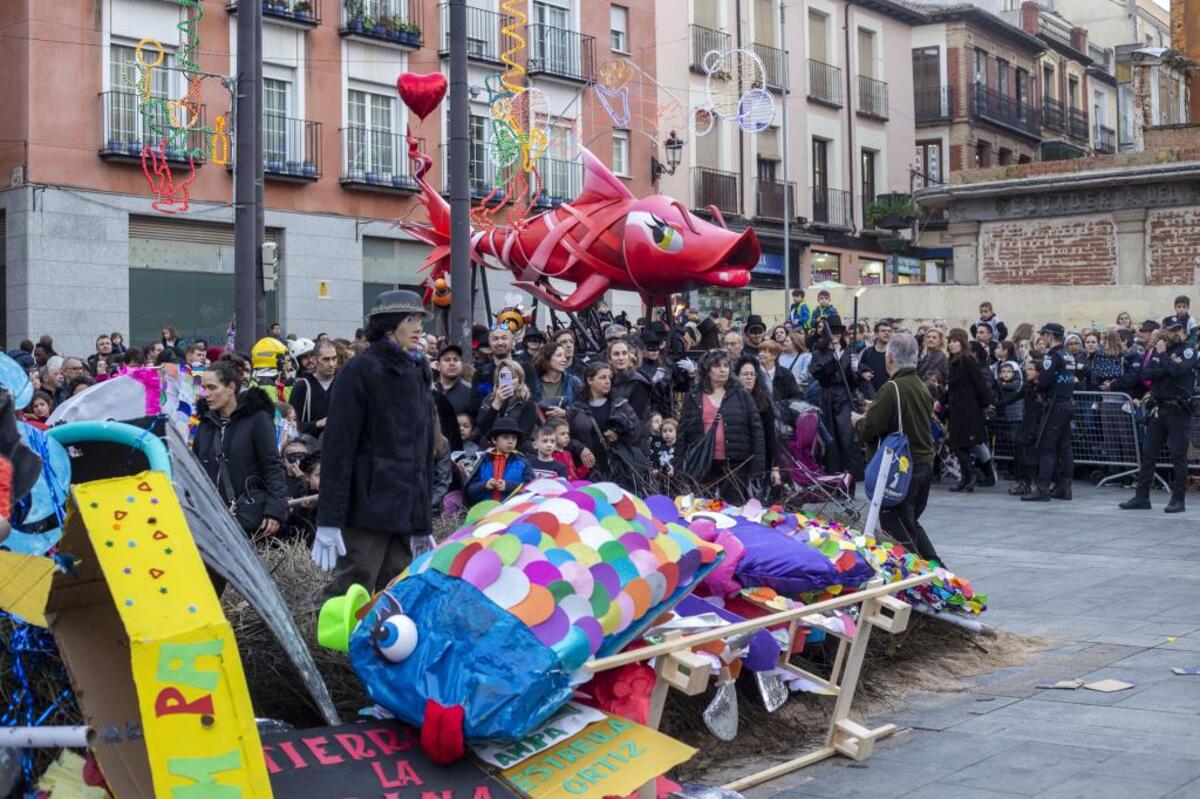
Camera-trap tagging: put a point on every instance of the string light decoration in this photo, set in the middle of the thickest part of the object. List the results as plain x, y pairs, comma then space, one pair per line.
174, 124
170, 198
735, 90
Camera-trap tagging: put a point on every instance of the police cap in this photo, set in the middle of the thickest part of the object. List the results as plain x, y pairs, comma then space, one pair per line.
1174, 322
1053, 329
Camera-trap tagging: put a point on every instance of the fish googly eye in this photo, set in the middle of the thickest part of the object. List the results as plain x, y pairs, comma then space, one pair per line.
395, 637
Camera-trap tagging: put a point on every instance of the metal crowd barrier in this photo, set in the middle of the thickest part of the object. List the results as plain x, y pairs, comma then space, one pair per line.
1108, 429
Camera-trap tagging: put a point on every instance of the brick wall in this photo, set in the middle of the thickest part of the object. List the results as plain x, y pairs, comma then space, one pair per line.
1064, 251
1173, 246
1158, 136
1073, 165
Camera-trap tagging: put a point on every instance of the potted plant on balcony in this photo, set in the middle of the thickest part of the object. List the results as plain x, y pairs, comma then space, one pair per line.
354, 15
274, 165
115, 145
294, 168
411, 34
892, 211
381, 26
373, 177
309, 170
401, 181
303, 9
134, 148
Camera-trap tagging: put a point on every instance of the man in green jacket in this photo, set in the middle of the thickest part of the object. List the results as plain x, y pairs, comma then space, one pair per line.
903, 404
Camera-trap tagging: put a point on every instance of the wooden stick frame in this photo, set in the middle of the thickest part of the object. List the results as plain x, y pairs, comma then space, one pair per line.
678, 666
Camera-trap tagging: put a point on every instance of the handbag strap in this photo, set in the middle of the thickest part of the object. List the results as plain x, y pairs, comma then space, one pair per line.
899, 415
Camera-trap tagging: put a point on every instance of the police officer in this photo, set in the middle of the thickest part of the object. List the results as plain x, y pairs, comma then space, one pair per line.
1171, 372
1056, 386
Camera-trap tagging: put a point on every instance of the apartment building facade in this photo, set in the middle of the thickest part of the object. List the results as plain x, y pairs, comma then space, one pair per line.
842, 70
84, 251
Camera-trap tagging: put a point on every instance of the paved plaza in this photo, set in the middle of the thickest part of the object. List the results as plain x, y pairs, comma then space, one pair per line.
1118, 594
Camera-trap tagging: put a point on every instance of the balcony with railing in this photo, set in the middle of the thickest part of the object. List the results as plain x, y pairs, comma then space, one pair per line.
129, 127
1105, 140
704, 41
831, 208
718, 188
1077, 124
1102, 57
376, 159
932, 104
561, 53
481, 171
824, 83
305, 13
397, 22
562, 181
872, 98
1000, 109
1053, 117
484, 33
291, 148
771, 196
1056, 29
774, 63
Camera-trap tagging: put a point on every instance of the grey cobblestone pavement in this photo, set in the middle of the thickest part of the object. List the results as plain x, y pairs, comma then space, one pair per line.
1118, 594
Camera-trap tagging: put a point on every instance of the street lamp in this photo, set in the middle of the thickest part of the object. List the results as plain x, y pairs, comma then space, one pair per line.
674, 146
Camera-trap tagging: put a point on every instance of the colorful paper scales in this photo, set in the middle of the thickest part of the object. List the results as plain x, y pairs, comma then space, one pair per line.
582, 563
510, 607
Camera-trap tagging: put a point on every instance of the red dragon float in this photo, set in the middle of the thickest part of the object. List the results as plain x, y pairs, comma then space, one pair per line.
604, 239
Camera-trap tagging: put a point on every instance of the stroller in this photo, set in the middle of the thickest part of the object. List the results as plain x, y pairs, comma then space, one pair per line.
799, 460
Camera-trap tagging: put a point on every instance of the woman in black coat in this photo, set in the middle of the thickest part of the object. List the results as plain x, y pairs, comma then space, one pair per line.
607, 433
738, 452
628, 382
967, 396
235, 443
510, 399
753, 378
831, 370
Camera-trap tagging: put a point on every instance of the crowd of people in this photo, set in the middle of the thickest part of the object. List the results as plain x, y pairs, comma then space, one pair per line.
409, 425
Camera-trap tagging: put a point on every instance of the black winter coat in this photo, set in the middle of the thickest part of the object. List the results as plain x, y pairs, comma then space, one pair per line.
744, 438
377, 451
626, 461
522, 411
311, 402
967, 395
634, 386
247, 450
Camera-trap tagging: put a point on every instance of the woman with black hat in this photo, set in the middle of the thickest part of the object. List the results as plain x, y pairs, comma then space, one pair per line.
377, 453
831, 368
967, 395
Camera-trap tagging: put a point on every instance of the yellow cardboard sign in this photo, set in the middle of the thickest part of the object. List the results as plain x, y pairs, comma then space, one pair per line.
613, 757
25, 585
195, 707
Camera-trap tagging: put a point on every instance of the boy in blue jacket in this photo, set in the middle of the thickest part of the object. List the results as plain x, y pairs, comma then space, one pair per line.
501, 470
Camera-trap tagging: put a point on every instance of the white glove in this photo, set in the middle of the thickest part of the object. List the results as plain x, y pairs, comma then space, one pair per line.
327, 547
687, 365
420, 544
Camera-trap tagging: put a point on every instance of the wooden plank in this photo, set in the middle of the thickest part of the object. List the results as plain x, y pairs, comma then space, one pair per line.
782, 617
787, 767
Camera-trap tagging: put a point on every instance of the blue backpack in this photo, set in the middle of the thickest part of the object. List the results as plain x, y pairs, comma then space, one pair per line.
899, 475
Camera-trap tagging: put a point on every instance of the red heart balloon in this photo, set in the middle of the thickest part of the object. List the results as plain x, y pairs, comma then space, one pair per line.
421, 93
